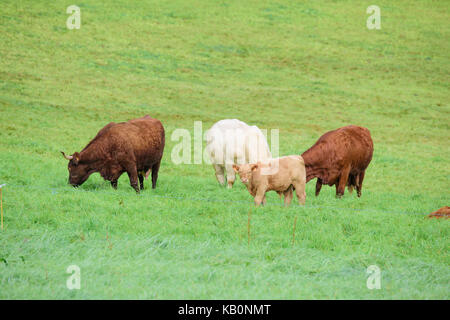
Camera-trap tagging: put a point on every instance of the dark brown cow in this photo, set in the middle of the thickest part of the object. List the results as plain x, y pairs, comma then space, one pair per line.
134, 147
340, 157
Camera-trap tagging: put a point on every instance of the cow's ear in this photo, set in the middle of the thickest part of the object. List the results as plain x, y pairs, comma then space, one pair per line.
235, 168
254, 167
76, 158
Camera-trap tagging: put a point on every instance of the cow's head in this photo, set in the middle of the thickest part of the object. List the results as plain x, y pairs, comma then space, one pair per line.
78, 171
245, 171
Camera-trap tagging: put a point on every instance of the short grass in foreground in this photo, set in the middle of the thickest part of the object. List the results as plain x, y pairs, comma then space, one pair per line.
301, 68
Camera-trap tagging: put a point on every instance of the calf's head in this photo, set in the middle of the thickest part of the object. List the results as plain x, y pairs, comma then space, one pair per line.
245, 171
78, 171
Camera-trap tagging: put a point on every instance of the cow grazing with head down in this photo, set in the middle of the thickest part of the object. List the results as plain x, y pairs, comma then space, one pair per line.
340, 157
135, 147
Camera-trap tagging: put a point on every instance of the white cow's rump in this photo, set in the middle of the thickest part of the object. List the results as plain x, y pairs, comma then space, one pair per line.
231, 142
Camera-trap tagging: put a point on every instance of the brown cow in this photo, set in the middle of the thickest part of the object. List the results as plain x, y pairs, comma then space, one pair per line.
280, 174
134, 147
340, 157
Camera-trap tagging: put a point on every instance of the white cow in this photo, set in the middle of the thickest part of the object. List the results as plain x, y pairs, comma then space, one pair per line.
231, 141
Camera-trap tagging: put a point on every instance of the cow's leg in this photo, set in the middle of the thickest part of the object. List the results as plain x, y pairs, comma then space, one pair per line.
114, 179
220, 173
133, 175
300, 191
231, 175
360, 182
352, 182
260, 194
141, 181
288, 194
340, 185
318, 186
155, 170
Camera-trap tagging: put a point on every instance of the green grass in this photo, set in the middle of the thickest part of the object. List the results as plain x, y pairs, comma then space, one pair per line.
302, 68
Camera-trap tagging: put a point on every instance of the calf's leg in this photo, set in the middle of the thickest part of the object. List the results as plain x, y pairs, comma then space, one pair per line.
300, 191
260, 194
288, 194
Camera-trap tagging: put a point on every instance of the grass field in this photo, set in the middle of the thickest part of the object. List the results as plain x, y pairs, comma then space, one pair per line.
302, 68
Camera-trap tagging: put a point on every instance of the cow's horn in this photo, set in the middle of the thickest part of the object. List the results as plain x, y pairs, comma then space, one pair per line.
67, 157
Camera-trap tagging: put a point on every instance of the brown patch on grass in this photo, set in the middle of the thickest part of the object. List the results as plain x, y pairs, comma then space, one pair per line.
443, 212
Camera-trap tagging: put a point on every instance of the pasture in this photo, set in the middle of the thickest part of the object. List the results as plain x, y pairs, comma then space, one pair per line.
303, 68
